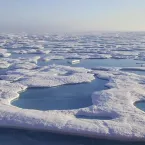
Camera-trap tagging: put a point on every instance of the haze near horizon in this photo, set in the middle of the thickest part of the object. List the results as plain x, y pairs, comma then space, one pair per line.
71, 16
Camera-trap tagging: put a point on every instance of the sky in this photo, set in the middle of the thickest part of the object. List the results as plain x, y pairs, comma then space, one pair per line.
71, 15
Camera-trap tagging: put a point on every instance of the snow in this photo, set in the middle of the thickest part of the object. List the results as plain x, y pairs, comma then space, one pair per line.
116, 102
82, 46
11, 78
133, 68
4, 64
32, 51
24, 65
49, 76
52, 57
4, 53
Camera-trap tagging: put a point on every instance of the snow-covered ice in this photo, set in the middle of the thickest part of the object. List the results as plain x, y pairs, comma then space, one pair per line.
116, 102
4, 64
4, 53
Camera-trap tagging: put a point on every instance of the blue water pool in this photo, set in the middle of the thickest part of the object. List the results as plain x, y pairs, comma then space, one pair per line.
72, 96
140, 105
91, 63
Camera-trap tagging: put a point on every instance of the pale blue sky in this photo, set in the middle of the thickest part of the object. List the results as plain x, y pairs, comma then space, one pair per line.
71, 15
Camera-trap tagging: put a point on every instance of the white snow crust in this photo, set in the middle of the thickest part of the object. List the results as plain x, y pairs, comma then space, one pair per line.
4, 53
116, 102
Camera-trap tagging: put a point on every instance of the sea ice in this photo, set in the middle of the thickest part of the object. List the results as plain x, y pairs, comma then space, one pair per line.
116, 102
4, 53
4, 64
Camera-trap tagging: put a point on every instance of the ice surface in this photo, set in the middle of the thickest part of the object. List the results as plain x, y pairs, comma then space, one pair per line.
100, 45
24, 65
117, 102
4, 64
4, 53
52, 76
133, 68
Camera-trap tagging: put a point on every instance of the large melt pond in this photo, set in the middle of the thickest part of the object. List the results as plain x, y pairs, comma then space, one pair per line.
72, 96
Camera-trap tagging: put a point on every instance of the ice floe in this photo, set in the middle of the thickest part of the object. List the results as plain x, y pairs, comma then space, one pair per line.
91, 45
4, 53
117, 103
4, 64
51, 75
24, 65
125, 121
